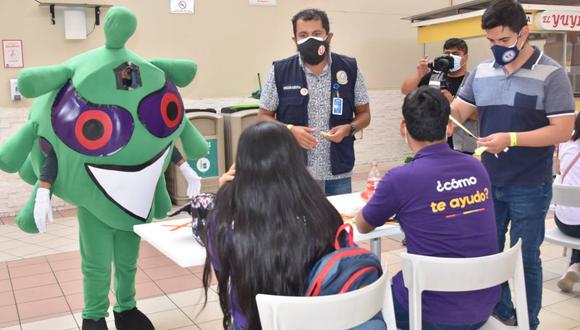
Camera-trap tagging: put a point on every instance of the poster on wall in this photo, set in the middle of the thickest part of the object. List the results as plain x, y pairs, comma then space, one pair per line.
182, 7
262, 2
12, 53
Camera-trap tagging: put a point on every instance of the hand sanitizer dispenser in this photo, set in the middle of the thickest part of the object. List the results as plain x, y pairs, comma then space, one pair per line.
14, 92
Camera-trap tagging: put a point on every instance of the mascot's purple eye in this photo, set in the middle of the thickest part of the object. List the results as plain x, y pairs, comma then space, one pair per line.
162, 111
90, 129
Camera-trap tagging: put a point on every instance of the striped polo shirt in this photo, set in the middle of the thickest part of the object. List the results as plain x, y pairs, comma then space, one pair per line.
520, 102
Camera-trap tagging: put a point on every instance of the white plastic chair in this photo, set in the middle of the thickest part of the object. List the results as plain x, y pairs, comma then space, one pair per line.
340, 311
564, 195
422, 273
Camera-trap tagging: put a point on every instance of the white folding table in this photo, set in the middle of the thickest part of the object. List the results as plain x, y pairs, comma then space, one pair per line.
174, 238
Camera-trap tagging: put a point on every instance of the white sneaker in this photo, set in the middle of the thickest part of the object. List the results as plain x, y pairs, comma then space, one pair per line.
571, 277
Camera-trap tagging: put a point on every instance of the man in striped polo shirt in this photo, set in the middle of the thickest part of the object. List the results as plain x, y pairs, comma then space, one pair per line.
526, 106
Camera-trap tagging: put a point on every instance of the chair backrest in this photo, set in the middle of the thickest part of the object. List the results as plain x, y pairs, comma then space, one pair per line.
565, 195
422, 273
340, 311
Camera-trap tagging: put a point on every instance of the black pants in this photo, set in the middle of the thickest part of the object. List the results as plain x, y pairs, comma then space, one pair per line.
570, 230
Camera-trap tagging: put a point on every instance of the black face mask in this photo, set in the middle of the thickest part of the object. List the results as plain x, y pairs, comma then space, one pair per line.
313, 51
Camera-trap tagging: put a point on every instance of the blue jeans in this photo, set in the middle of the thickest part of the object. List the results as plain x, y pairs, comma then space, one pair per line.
336, 187
402, 318
525, 207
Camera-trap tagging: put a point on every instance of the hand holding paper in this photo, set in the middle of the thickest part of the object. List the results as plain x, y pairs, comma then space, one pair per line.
495, 143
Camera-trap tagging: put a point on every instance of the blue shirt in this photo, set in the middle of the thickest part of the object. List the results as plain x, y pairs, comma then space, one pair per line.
523, 101
442, 200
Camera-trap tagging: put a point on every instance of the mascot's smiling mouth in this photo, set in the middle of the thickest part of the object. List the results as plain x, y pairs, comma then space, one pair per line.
132, 188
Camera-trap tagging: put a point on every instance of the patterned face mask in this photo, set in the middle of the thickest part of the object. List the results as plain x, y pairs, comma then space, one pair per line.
505, 55
313, 49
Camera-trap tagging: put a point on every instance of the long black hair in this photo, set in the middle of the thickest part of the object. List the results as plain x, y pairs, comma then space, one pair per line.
272, 222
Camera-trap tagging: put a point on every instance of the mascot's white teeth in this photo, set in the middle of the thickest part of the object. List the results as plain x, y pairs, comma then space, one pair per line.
132, 188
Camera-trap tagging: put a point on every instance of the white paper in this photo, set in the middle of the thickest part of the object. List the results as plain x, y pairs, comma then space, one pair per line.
182, 6
262, 2
12, 50
75, 24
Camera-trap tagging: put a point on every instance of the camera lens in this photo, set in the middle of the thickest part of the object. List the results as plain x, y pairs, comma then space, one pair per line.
442, 63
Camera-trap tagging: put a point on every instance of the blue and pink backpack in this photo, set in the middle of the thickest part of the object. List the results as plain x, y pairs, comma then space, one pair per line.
346, 269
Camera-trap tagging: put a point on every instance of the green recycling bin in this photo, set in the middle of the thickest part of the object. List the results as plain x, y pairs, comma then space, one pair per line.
209, 167
236, 119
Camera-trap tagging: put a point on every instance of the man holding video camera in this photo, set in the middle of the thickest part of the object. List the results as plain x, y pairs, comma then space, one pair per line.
447, 73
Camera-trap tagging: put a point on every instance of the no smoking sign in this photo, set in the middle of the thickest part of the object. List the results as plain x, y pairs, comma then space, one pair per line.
182, 6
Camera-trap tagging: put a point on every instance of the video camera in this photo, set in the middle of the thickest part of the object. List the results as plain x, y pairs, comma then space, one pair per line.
439, 69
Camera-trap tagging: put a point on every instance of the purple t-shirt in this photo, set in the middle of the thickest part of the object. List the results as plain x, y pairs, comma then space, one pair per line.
443, 202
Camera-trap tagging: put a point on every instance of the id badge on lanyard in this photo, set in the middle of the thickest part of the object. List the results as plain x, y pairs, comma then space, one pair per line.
337, 102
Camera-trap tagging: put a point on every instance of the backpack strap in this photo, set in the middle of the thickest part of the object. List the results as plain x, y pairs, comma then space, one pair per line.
350, 235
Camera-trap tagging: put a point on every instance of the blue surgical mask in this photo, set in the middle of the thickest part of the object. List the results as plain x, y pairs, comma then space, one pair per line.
505, 55
456, 63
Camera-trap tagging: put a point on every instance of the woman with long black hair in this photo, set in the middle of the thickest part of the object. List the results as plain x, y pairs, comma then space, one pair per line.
271, 223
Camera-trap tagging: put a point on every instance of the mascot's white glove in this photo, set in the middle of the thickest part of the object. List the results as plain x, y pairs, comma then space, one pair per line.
42, 209
193, 180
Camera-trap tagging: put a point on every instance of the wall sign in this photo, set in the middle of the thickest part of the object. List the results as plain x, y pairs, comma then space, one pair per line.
560, 20
263, 2
12, 53
182, 6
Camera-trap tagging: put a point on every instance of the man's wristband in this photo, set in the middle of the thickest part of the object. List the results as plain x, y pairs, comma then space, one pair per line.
513, 139
290, 126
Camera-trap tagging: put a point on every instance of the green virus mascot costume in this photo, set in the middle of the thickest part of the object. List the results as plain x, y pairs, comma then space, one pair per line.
108, 119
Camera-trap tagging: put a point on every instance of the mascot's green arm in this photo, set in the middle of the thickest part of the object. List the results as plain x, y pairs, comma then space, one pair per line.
194, 144
27, 173
14, 151
25, 218
162, 202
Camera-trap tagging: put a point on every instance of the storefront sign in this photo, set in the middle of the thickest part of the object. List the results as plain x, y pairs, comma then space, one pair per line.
560, 20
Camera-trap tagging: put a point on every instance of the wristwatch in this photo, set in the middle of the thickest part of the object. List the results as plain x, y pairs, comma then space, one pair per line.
352, 129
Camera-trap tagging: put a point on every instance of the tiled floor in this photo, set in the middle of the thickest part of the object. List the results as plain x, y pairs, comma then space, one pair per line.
41, 283
41, 286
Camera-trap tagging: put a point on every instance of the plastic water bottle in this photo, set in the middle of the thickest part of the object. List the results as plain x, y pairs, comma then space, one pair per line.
373, 179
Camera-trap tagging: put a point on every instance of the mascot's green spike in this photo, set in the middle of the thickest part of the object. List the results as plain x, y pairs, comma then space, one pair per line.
33, 82
105, 123
120, 24
181, 72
